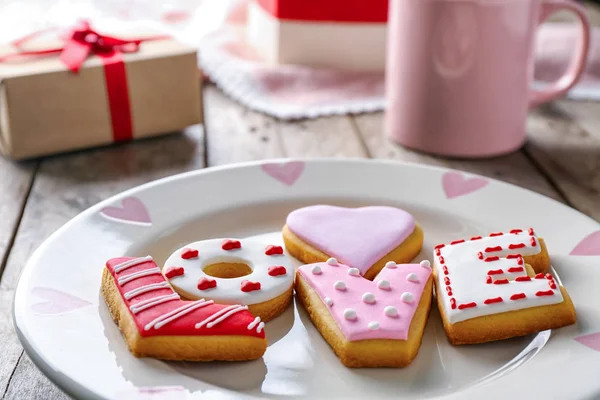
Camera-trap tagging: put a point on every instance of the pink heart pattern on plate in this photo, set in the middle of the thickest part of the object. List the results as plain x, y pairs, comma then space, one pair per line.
286, 173
132, 210
592, 340
456, 184
358, 237
57, 302
589, 246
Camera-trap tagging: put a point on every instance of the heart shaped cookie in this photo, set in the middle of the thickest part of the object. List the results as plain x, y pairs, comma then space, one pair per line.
364, 238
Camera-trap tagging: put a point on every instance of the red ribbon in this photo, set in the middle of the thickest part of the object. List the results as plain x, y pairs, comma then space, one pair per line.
82, 42
351, 11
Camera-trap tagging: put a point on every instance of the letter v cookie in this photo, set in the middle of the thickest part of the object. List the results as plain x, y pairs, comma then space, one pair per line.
377, 323
156, 323
493, 288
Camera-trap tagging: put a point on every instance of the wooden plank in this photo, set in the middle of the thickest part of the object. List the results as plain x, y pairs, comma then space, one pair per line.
14, 186
568, 154
64, 186
29, 383
235, 134
514, 168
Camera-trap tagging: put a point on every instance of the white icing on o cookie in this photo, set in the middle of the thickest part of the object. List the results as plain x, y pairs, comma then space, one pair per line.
349, 314
412, 277
339, 285
383, 284
229, 290
373, 325
316, 270
353, 272
485, 276
391, 311
407, 297
391, 264
332, 261
368, 298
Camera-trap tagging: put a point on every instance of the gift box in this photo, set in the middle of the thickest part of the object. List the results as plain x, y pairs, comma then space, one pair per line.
86, 89
341, 34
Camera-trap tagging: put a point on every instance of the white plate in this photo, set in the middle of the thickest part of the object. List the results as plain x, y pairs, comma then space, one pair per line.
66, 329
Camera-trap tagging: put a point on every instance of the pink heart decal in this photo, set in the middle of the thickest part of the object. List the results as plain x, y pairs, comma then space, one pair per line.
57, 302
589, 246
355, 236
592, 340
455, 184
286, 173
132, 210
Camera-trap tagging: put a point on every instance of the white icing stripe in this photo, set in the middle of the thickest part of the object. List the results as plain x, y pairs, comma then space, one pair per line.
254, 323
172, 315
146, 288
473, 278
127, 278
260, 327
215, 315
225, 316
131, 263
143, 305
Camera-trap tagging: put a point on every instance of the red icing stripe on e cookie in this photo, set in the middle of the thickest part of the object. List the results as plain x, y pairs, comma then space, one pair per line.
160, 312
271, 250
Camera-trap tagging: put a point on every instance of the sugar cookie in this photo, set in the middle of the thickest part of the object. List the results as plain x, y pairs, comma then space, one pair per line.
156, 323
377, 323
234, 271
364, 238
490, 289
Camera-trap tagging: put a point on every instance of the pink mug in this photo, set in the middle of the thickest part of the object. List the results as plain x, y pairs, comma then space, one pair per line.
459, 73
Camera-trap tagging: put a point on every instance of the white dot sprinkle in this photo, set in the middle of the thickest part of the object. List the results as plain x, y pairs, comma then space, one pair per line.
368, 298
339, 285
353, 272
412, 277
316, 270
383, 284
328, 301
407, 297
373, 325
332, 261
349, 314
425, 264
391, 264
391, 311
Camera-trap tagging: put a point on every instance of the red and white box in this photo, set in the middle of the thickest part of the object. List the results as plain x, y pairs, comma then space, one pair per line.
341, 34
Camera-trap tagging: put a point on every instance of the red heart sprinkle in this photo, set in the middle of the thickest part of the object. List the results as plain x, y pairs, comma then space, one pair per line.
186, 254
206, 283
248, 286
172, 272
277, 270
231, 244
272, 249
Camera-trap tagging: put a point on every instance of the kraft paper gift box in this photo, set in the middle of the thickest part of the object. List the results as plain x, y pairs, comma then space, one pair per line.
47, 108
341, 34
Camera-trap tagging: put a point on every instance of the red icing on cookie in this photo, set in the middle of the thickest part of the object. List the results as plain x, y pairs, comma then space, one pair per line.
458, 241
516, 269
206, 283
539, 276
491, 258
518, 296
493, 300
545, 293
533, 243
231, 244
492, 249
515, 246
186, 254
475, 238
495, 272
552, 285
513, 256
500, 281
453, 303
172, 272
276, 270
515, 231
530, 231
439, 246
467, 305
522, 279
496, 234
248, 286
488, 279
272, 249
235, 324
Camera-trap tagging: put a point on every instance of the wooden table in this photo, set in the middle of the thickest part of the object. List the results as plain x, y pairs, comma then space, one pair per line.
561, 160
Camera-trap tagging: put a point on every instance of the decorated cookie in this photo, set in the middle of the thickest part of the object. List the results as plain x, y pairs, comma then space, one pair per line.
155, 322
234, 271
364, 238
495, 287
376, 323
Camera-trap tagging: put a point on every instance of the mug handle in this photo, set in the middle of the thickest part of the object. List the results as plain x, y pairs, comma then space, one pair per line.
570, 78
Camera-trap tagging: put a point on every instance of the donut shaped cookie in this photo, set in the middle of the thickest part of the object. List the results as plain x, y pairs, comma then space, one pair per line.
233, 271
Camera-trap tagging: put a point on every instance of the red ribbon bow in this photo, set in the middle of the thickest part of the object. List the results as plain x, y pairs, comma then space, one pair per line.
81, 42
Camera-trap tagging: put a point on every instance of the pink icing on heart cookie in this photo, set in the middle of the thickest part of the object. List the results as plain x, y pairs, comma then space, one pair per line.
355, 236
363, 309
